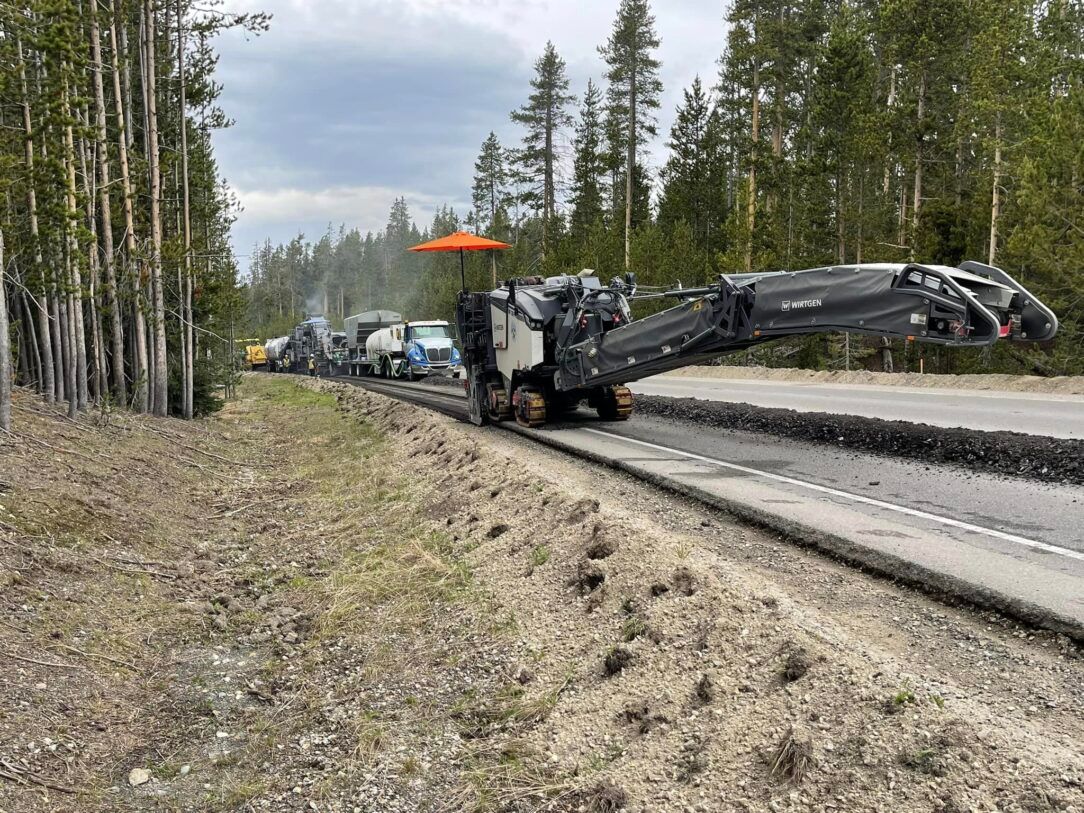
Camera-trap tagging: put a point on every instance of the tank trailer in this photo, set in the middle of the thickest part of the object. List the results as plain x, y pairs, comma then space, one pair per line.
275, 351
535, 347
382, 343
313, 338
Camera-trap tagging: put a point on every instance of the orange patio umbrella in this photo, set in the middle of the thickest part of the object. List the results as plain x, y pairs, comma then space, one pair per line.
460, 241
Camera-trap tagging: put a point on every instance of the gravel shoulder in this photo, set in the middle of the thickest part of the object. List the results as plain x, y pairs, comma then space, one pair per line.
1056, 385
328, 600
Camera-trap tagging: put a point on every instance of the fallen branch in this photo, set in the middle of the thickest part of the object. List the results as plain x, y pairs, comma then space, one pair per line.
155, 573
51, 414
98, 655
43, 663
58, 448
214, 456
20, 776
235, 511
211, 472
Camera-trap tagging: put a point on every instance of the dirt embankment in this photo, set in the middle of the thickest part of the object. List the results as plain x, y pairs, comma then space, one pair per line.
1057, 385
327, 600
1004, 453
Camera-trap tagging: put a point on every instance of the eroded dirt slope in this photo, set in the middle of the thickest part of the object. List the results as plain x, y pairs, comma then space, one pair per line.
690, 681
327, 600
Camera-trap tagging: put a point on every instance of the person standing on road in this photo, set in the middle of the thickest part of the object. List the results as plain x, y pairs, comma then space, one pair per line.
312, 366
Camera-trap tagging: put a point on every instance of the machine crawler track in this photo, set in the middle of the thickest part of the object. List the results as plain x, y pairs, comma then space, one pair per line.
529, 406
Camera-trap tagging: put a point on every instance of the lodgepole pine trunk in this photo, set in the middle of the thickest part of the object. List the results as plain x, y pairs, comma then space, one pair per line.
58, 316
48, 385
751, 204
160, 405
916, 208
5, 350
25, 372
75, 280
66, 344
630, 161
995, 198
890, 105
97, 383
116, 323
35, 349
132, 273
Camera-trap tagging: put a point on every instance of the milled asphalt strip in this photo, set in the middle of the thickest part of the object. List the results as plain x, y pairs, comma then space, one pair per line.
955, 523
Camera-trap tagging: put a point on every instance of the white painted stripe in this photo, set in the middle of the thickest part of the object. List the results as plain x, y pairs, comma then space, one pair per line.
901, 509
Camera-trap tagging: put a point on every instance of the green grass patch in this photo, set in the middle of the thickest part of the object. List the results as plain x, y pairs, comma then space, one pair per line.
540, 554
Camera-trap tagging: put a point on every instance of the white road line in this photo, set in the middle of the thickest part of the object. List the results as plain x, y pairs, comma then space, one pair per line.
913, 512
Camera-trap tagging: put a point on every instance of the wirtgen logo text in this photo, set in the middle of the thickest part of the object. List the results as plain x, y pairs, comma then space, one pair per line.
800, 303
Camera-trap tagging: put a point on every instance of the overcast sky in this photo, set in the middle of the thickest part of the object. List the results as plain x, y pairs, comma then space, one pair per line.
347, 104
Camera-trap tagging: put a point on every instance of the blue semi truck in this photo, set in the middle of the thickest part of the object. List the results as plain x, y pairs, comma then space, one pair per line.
382, 343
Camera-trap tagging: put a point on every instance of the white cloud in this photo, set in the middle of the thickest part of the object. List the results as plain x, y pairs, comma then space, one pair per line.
269, 210
346, 104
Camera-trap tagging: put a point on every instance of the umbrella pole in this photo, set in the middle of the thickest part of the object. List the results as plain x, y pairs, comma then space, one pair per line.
462, 271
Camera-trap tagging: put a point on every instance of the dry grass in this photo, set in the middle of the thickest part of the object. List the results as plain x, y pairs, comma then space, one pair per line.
502, 775
96, 534
793, 758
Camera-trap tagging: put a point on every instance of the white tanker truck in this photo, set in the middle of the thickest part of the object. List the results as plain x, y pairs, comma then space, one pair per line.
382, 343
276, 350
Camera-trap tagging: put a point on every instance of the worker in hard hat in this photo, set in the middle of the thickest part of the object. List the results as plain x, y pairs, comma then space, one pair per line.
312, 366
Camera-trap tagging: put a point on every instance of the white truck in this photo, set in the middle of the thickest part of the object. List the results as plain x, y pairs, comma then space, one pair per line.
382, 343
276, 351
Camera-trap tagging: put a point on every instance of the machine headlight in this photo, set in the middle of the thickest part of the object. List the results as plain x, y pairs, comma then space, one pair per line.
455, 356
416, 353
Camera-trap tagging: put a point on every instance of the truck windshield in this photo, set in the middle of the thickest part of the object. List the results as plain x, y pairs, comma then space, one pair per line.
429, 331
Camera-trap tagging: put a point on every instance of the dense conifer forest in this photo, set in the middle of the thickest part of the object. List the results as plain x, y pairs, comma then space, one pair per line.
830, 131
119, 281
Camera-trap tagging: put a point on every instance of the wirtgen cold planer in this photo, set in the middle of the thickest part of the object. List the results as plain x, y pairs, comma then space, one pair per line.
535, 347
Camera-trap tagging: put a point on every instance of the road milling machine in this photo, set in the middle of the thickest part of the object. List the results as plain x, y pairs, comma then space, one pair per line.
536, 347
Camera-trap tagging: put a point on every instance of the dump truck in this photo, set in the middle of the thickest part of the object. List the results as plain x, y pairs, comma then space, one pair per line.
255, 357
536, 347
382, 343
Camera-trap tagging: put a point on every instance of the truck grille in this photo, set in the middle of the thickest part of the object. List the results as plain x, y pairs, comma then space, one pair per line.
438, 353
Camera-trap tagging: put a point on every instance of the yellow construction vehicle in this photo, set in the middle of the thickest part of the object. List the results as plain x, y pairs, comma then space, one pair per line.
255, 357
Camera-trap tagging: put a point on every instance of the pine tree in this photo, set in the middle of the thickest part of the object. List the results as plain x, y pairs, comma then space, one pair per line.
689, 192
5, 349
588, 164
543, 117
841, 95
160, 388
634, 90
925, 38
489, 195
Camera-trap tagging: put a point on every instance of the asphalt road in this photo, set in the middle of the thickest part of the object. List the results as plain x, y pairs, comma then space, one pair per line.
1009, 543
1060, 416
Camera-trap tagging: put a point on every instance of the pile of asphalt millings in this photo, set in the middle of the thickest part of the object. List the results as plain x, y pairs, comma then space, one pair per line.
1005, 453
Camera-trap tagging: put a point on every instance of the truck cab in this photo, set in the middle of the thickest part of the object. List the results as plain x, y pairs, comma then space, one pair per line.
428, 348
